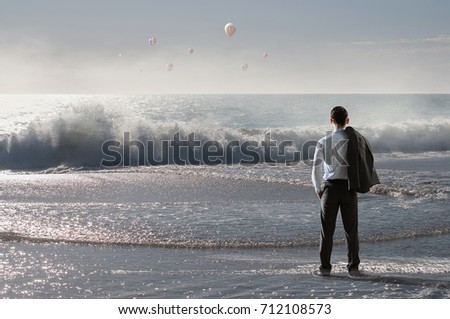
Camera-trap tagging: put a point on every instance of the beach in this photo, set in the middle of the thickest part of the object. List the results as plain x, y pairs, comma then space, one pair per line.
70, 229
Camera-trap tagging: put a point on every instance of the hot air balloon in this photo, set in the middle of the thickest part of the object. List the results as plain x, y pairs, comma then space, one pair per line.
244, 66
265, 55
152, 41
230, 29
190, 50
169, 67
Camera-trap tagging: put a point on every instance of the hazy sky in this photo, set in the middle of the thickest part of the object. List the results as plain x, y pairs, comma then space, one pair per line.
314, 46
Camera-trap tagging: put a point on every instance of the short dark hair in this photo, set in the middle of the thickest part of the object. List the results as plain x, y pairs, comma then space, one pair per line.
339, 115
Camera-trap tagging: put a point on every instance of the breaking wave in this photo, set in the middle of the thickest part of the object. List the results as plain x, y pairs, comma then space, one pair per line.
75, 139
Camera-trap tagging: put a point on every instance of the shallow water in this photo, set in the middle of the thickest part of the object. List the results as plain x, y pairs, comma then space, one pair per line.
93, 271
104, 234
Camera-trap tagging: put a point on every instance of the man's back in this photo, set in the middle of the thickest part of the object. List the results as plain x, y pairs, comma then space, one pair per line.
330, 158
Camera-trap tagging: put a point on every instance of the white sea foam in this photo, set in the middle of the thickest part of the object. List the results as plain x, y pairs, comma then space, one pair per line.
75, 138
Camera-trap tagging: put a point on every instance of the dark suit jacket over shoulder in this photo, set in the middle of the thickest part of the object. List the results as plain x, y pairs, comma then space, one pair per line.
361, 170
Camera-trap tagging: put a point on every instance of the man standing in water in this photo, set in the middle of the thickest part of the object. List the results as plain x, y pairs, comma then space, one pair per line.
336, 182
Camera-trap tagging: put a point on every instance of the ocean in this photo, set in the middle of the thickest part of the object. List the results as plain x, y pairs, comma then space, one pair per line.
210, 196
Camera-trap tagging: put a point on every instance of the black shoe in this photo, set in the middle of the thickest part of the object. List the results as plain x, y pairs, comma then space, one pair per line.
354, 273
324, 272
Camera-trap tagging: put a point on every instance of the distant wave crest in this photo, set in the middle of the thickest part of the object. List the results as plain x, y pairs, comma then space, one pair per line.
75, 139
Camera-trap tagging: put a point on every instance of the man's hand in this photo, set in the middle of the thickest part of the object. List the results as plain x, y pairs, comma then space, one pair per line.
319, 194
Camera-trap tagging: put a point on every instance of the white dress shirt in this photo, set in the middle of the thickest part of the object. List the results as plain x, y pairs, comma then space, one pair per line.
330, 158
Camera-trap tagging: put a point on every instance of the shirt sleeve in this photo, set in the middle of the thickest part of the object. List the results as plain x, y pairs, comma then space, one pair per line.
317, 169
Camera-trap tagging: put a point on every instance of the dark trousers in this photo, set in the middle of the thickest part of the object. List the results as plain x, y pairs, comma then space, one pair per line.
337, 195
